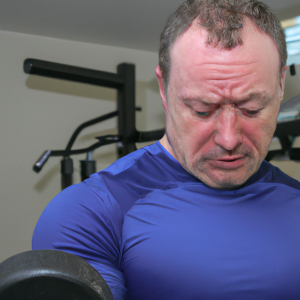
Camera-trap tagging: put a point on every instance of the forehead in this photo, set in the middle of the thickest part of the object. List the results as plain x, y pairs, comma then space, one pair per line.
192, 60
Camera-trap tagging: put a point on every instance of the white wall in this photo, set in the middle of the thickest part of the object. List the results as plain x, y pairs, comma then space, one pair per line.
38, 113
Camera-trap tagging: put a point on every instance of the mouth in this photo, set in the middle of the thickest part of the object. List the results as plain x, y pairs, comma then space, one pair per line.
230, 158
229, 162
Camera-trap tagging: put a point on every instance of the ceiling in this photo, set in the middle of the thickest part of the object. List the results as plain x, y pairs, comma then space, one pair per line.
123, 23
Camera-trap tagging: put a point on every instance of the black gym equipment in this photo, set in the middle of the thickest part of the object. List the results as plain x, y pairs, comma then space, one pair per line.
49, 275
124, 82
293, 70
286, 131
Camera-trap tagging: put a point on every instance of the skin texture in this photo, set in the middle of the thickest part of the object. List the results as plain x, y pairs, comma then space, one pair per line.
222, 105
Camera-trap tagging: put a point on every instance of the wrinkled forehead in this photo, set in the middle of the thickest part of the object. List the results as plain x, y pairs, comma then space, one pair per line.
258, 48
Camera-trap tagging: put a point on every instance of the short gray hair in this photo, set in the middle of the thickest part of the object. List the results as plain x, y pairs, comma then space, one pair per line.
223, 20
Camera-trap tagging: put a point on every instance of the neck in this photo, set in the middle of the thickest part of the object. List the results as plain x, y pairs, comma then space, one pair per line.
165, 143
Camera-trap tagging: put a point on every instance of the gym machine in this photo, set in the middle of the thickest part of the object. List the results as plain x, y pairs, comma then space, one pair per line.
124, 82
287, 130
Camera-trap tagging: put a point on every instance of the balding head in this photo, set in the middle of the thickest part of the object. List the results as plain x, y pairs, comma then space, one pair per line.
223, 20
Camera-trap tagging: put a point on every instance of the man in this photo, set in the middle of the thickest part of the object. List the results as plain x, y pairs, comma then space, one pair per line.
200, 214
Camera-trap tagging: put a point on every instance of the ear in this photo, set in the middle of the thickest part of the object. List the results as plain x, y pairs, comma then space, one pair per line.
282, 83
161, 88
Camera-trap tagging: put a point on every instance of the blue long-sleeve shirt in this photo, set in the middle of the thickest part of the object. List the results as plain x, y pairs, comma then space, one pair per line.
153, 231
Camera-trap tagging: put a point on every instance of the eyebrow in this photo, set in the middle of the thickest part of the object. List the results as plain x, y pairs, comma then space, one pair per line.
263, 96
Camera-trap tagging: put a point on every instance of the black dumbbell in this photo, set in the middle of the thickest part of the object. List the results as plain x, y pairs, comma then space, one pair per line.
48, 275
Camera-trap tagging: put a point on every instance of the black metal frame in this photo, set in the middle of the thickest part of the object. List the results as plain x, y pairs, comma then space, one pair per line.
285, 132
124, 82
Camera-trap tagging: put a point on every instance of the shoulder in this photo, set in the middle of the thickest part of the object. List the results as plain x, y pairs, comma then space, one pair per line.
99, 202
78, 207
145, 155
137, 174
272, 174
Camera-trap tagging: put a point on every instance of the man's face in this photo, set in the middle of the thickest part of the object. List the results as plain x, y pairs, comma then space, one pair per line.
222, 105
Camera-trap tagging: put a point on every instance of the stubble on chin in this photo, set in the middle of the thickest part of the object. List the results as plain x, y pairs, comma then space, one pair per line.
223, 180
219, 178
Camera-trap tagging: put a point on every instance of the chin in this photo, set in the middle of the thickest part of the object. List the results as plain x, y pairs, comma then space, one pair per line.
223, 185
227, 185
224, 182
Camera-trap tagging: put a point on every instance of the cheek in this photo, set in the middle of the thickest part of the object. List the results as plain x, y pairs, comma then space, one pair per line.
181, 120
198, 137
190, 131
258, 134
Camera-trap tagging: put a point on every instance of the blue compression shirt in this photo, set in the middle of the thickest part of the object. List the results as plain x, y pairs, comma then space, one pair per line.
153, 231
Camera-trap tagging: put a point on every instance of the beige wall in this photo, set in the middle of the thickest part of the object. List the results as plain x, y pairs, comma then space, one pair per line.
39, 113
288, 12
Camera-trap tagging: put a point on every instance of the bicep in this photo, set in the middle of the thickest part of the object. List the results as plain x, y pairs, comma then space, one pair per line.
85, 224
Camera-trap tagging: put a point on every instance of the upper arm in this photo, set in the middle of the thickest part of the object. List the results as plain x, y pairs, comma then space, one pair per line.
83, 223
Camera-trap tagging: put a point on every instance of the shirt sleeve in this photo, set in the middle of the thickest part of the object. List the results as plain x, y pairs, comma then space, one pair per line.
86, 224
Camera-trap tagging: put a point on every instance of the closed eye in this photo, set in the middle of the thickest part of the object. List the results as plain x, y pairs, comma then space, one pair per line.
203, 113
250, 113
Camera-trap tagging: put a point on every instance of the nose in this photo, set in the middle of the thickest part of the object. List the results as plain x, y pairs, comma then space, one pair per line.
228, 134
